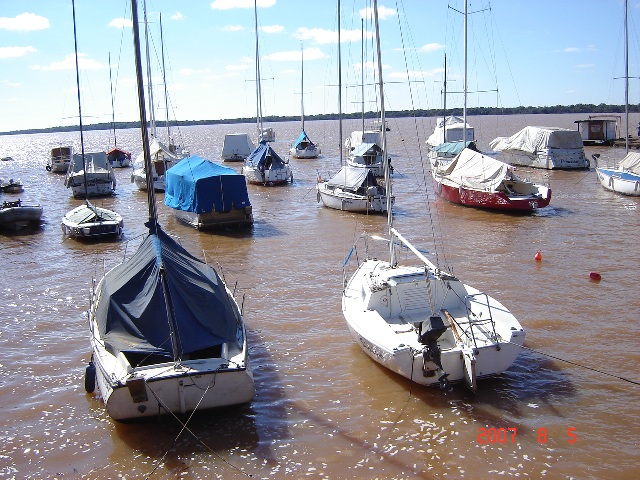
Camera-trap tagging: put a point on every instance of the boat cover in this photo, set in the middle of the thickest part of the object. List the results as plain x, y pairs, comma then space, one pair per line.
534, 139
631, 163
97, 165
451, 123
352, 178
302, 138
472, 169
155, 149
453, 148
89, 213
198, 185
364, 148
260, 155
237, 143
131, 313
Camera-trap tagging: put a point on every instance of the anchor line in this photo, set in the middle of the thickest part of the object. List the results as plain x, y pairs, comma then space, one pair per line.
184, 427
576, 364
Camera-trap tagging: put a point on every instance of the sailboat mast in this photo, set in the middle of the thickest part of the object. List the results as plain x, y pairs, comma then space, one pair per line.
340, 90
444, 102
164, 80
302, 86
258, 87
153, 217
387, 173
150, 88
75, 43
113, 110
362, 72
626, 74
464, 127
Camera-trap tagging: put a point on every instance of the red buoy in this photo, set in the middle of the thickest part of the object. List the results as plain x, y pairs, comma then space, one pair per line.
538, 256
595, 276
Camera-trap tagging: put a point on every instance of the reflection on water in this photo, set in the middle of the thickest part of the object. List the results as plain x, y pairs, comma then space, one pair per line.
322, 407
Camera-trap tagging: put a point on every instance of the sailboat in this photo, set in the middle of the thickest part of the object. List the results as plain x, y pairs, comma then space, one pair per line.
88, 220
167, 336
303, 147
164, 156
264, 166
420, 321
352, 189
625, 178
117, 157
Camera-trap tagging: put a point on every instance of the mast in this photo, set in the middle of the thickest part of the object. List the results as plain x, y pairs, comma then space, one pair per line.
164, 80
302, 86
362, 73
113, 110
258, 87
75, 43
387, 173
464, 127
152, 117
626, 74
444, 102
153, 216
340, 146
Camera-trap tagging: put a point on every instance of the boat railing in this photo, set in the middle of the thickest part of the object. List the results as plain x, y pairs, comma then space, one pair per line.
475, 321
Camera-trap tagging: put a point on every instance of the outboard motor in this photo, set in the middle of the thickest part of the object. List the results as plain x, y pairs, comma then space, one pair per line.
429, 332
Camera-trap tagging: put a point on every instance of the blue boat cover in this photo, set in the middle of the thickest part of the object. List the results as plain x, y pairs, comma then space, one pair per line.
302, 138
263, 152
131, 312
198, 185
364, 148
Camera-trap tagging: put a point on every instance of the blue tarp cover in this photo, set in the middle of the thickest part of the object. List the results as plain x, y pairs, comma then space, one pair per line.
263, 152
363, 148
302, 138
198, 185
131, 313
454, 148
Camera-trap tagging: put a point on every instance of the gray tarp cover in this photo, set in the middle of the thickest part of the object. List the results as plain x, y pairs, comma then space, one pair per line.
534, 139
131, 313
353, 178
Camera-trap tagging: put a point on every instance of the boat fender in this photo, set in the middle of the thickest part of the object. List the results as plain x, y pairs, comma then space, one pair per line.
48, 167
460, 191
318, 197
90, 378
611, 181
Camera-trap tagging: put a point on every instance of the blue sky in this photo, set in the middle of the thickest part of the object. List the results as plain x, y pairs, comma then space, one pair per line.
542, 52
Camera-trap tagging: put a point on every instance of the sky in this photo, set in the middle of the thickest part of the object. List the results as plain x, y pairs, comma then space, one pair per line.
519, 52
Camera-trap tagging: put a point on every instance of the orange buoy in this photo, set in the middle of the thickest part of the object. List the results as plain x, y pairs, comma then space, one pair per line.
538, 256
595, 276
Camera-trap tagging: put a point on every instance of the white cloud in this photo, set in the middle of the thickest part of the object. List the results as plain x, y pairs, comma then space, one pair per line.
15, 52
69, 63
383, 12
272, 28
232, 28
7, 83
121, 23
230, 4
24, 22
322, 36
309, 54
431, 47
177, 16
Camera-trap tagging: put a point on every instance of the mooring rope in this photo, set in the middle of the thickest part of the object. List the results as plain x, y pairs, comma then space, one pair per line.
577, 364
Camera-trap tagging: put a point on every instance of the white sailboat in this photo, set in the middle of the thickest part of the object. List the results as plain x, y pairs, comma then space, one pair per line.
117, 157
625, 177
164, 155
264, 166
95, 177
422, 322
303, 147
167, 336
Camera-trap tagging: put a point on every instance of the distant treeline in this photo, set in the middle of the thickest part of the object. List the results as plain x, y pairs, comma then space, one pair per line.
578, 108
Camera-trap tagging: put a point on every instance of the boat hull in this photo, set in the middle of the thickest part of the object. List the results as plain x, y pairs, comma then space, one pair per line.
492, 200
340, 199
548, 158
384, 317
236, 217
277, 176
14, 215
619, 181
304, 152
85, 222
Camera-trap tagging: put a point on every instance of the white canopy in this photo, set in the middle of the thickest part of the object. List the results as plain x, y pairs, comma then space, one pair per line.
534, 139
454, 127
631, 163
474, 170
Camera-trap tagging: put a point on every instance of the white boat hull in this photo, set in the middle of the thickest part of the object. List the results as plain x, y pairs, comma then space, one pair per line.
384, 306
14, 215
309, 152
548, 158
138, 177
626, 183
271, 176
340, 199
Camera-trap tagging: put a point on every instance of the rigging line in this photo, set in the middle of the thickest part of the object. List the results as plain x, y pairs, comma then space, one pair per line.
576, 364
184, 427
